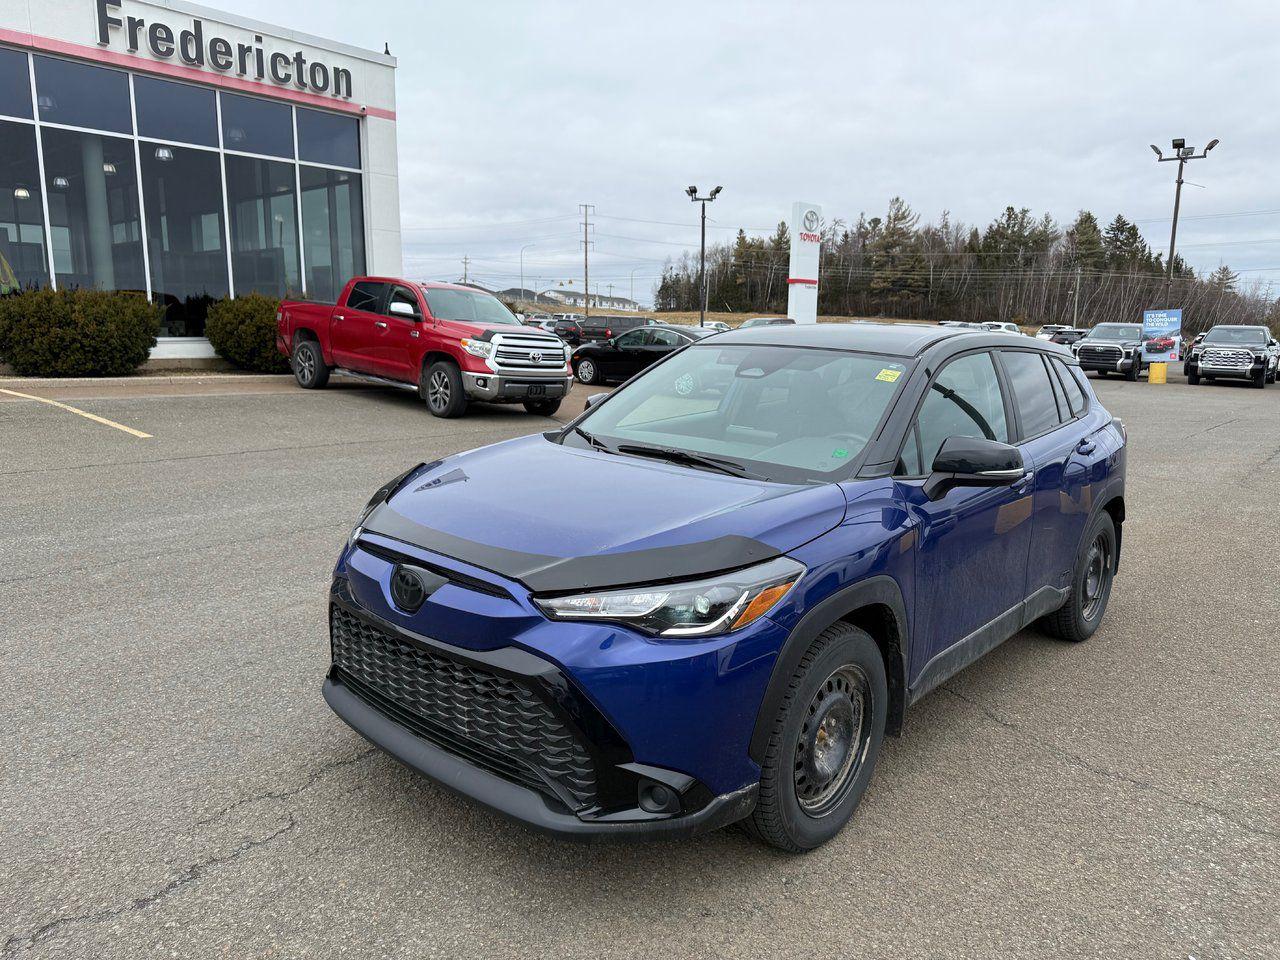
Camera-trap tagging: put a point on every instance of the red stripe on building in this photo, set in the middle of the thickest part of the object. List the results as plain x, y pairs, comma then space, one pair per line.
799, 280
181, 72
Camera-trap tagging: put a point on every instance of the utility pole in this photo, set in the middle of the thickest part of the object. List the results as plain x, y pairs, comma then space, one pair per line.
466, 264
522, 290
702, 257
633, 289
587, 209
1182, 153
1075, 304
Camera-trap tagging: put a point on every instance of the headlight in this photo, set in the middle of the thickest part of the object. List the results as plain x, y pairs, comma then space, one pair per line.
477, 348
699, 608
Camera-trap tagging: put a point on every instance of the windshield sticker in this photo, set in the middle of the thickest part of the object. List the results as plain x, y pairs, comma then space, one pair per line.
684, 385
839, 452
889, 376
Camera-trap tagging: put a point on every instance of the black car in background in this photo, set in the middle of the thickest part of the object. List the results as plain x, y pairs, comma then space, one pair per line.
606, 326
622, 356
1068, 335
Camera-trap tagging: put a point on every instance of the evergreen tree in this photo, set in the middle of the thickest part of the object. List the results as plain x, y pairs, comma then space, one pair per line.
1223, 279
1083, 244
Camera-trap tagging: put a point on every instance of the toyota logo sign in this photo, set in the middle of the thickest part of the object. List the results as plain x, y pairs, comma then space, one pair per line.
811, 220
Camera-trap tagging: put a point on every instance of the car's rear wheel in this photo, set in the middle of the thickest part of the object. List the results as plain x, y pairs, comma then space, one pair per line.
825, 739
587, 372
1079, 617
308, 365
441, 387
542, 408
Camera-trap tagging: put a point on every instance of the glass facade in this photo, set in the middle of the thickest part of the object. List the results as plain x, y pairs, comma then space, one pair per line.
122, 181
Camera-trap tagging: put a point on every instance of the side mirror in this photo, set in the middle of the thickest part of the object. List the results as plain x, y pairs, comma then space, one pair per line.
402, 309
593, 400
970, 462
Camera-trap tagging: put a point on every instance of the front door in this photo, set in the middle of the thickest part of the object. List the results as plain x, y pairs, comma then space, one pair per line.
971, 553
396, 335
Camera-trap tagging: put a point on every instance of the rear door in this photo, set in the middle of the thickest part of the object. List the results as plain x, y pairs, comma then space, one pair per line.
1055, 438
353, 335
630, 353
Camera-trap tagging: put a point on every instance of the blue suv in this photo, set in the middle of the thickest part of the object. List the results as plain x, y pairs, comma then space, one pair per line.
778, 539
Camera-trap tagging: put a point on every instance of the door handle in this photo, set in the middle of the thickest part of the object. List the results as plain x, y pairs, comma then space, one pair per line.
380, 324
337, 317
1086, 446
1022, 484
414, 334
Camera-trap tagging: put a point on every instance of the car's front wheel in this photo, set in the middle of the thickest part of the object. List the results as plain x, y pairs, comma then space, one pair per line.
1079, 617
825, 739
587, 372
441, 387
1193, 379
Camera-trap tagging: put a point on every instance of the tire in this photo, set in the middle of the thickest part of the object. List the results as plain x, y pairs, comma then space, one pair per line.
1260, 381
588, 372
1193, 379
542, 408
308, 365
441, 387
1086, 604
798, 808
1102, 374
1133, 372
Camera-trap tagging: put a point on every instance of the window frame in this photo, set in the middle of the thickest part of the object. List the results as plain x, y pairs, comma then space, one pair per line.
418, 302
1044, 358
1054, 364
913, 421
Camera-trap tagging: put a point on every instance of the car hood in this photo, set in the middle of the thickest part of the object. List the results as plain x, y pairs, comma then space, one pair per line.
558, 518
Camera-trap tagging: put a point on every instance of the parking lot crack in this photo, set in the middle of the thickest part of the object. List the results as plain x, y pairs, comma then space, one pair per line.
310, 781
1110, 774
17, 943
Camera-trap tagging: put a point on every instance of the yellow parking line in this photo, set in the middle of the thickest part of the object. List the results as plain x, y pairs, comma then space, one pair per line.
88, 416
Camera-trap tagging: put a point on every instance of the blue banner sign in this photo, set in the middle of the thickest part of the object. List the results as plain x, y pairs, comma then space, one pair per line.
1161, 335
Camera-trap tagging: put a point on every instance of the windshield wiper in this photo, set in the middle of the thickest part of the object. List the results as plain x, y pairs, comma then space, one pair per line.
592, 439
676, 455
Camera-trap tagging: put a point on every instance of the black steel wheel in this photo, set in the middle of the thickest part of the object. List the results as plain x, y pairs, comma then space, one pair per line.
823, 745
1086, 602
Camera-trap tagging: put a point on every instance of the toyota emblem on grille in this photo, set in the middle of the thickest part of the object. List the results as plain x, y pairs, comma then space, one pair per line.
535, 357
407, 589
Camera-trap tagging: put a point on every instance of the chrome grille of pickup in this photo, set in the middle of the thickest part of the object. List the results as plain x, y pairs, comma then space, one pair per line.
522, 352
1099, 353
1227, 357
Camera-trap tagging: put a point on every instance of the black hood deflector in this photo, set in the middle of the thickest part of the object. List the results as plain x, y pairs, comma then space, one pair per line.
547, 574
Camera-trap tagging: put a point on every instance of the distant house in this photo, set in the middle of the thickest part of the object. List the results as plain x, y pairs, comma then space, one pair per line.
525, 295
573, 298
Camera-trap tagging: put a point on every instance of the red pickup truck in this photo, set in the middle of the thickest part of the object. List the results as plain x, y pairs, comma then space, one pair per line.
453, 343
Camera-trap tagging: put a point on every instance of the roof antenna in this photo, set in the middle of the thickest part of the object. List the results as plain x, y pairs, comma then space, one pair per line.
386, 48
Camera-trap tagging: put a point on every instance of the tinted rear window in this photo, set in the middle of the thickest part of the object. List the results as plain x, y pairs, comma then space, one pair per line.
1033, 392
366, 295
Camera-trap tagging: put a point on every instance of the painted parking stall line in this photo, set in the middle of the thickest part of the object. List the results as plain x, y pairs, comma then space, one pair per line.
76, 410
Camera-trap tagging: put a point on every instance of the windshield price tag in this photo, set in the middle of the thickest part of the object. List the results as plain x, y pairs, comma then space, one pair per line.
889, 376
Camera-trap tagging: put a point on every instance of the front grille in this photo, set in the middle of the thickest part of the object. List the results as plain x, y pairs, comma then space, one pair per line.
519, 352
1225, 357
490, 720
1098, 353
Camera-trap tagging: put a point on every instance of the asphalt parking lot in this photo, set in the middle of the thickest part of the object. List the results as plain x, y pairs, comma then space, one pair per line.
173, 785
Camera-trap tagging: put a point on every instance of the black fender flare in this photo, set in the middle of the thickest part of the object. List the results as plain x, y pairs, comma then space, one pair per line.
874, 591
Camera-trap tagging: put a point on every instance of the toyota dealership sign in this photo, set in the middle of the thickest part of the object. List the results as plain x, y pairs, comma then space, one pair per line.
806, 242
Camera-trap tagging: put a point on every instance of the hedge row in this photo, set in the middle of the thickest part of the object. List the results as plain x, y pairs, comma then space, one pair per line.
97, 333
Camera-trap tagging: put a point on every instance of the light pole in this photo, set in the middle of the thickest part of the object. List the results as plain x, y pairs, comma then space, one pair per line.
1182, 153
522, 250
633, 288
702, 256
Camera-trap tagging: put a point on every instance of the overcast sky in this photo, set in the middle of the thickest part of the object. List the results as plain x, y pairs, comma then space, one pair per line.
513, 112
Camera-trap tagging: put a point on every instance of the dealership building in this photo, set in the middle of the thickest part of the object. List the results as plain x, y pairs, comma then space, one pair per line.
190, 155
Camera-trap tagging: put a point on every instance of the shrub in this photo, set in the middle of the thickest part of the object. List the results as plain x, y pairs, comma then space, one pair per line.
76, 333
243, 331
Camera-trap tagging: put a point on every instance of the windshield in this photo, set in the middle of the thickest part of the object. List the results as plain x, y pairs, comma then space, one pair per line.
1253, 335
468, 306
1116, 331
788, 414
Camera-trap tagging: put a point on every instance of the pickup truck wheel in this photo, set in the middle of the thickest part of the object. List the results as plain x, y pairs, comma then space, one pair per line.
542, 408
825, 740
1193, 379
587, 372
1260, 380
308, 365
441, 387
1132, 373
1086, 603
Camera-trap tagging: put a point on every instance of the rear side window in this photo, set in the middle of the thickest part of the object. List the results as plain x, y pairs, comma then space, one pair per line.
964, 401
366, 295
1033, 392
1075, 393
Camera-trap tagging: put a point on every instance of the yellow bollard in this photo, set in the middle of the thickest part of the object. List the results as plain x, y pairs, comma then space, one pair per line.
1158, 373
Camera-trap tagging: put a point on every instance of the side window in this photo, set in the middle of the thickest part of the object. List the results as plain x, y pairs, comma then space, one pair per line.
401, 295
633, 338
1033, 391
666, 338
909, 463
964, 400
1075, 394
365, 296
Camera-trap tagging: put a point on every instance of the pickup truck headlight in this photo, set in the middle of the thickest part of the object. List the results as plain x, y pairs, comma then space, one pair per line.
477, 348
697, 608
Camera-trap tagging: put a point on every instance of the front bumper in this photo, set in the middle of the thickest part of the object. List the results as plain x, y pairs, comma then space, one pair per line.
1234, 371
512, 388
1121, 365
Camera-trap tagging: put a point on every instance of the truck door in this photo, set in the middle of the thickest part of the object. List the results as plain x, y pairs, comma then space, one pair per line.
398, 335
352, 334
